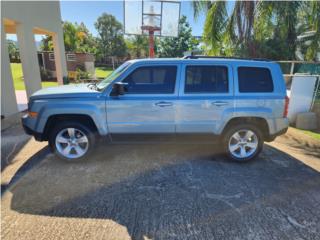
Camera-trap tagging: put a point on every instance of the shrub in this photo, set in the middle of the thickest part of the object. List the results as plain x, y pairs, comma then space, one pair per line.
82, 74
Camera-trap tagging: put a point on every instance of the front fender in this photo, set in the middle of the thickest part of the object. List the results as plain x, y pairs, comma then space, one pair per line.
94, 108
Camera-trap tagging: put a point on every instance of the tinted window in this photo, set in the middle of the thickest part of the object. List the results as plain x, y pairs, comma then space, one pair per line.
253, 79
206, 79
146, 80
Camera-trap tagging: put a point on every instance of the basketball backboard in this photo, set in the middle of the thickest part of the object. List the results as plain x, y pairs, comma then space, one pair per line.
163, 16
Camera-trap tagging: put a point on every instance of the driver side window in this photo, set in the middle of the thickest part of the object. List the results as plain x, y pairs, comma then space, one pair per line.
152, 80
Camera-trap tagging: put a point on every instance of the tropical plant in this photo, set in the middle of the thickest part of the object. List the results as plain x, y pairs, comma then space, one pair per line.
223, 30
259, 28
309, 29
86, 43
46, 43
70, 36
138, 46
77, 38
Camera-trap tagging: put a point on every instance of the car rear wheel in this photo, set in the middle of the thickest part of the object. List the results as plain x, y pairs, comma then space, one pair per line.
71, 141
243, 142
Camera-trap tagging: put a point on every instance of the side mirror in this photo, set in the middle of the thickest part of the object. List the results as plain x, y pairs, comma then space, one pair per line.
118, 88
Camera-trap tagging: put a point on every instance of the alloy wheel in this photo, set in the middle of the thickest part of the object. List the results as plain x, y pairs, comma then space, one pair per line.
72, 143
243, 143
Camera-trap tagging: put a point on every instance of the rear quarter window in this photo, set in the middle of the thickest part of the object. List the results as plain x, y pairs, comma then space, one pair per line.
254, 79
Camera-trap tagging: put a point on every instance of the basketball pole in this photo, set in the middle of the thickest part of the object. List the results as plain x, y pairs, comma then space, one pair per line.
151, 44
151, 30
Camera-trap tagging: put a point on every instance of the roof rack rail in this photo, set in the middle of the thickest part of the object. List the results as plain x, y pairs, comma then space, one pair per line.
213, 57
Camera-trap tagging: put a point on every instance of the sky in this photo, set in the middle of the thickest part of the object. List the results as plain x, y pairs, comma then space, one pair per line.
88, 12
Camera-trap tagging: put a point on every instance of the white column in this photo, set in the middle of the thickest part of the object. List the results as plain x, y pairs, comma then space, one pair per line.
8, 97
59, 56
29, 59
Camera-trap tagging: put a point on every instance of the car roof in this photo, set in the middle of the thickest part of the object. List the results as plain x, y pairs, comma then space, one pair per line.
204, 60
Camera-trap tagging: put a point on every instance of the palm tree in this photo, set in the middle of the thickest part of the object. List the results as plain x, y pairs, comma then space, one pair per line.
310, 36
138, 46
235, 28
248, 27
283, 19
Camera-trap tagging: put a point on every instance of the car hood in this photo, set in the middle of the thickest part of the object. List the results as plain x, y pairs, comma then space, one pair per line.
66, 91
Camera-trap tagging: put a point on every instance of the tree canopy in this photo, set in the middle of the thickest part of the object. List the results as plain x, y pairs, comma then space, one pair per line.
270, 29
138, 46
110, 36
77, 38
13, 50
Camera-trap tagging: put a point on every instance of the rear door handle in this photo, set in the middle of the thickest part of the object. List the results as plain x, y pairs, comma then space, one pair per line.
219, 103
164, 104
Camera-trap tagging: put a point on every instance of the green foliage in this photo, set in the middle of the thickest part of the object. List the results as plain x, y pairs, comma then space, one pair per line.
46, 44
13, 51
269, 29
70, 36
309, 20
176, 46
77, 38
85, 43
138, 46
110, 39
18, 82
45, 74
82, 74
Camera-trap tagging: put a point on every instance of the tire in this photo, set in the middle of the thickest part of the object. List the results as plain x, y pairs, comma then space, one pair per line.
241, 147
78, 142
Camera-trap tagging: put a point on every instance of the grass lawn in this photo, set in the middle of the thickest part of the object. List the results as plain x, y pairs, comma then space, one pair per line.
103, 72
18, 82
16, 68
315, 135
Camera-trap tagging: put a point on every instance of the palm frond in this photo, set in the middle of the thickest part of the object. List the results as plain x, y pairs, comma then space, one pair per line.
215, 22
200, 6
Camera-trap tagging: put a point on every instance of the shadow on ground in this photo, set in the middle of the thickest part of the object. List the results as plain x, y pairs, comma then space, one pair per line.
178, 192
26, 167
13, 140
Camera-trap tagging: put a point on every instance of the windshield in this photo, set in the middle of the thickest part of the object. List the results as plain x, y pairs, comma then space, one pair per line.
105, 82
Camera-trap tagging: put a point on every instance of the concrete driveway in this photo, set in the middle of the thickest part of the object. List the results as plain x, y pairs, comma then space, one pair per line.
164, 192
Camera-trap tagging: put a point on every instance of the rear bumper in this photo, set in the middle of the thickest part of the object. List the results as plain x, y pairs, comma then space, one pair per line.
272, 137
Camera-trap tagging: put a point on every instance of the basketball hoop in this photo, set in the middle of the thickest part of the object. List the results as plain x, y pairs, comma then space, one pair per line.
151, 27
157, 18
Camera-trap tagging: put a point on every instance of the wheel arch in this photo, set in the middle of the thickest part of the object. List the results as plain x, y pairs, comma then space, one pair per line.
55, 119
259, 122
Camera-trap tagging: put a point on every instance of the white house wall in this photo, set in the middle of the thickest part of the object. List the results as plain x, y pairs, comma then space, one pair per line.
25, 18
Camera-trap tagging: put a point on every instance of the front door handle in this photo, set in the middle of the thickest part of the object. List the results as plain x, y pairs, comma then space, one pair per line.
164, 104
219, 103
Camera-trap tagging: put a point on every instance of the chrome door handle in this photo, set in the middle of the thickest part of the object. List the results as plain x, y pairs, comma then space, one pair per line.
164, 104
219, 103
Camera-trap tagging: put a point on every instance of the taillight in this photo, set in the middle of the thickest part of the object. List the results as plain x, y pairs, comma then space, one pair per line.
286, 107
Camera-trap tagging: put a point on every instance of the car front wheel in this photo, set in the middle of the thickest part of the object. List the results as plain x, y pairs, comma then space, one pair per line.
71, 141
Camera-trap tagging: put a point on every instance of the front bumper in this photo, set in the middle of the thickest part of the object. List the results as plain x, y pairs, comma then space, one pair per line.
38, 136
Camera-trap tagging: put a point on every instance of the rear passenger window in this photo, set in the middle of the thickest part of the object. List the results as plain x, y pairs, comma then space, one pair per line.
152, 80
206, 79
252, 79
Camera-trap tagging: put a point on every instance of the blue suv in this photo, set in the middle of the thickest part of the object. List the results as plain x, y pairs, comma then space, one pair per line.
238, 103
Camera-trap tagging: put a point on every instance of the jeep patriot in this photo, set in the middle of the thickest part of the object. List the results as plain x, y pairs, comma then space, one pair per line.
236, 103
